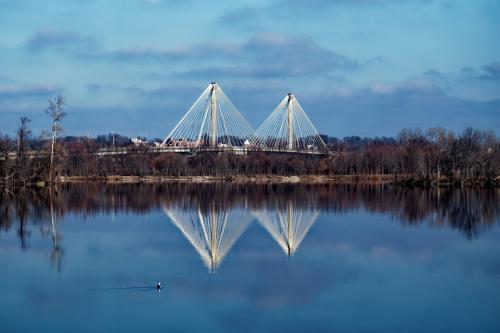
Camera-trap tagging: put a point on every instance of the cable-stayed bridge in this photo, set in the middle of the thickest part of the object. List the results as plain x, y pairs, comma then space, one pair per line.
213, 123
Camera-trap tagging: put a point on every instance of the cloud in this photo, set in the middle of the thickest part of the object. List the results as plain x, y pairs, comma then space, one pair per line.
376, 60
470, 82
145, 54
216, 72
162, 96
21, 92
491, 71
265, 55
413, 86
422, 85
59, 40
253, 17
244, 17
269, 55
442, 80
487, 72
6, 79
166, 2
435, 75
323, 6
279, 55
178, 53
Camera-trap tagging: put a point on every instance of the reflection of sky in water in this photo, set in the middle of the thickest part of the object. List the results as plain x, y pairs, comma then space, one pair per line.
355, 271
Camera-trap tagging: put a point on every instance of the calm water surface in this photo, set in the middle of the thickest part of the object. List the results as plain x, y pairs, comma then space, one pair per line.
255, 258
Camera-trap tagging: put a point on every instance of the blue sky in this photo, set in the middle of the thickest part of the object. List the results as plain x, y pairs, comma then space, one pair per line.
358, 67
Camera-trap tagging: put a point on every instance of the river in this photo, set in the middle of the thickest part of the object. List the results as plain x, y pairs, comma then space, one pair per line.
249, 258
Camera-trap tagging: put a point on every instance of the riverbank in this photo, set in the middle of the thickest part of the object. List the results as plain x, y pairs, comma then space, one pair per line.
306, 179
445, 182
396, 180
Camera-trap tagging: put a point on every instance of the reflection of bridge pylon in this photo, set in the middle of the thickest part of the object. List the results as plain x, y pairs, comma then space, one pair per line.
212, 232
288, 226
211, 122
289, 129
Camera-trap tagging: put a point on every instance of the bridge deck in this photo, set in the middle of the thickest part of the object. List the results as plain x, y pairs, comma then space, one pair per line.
180, 150
187, 150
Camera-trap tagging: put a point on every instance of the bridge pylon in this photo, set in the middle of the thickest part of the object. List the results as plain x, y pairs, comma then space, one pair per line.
212, 122
288, 129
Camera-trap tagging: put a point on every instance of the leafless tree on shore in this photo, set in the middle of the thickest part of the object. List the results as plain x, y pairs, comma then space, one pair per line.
56, 112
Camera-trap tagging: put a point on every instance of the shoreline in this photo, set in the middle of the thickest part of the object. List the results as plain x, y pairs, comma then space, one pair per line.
303, 179
386, 179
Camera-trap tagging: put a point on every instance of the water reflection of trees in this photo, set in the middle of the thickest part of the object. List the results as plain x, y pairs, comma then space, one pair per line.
36, 208
469, 211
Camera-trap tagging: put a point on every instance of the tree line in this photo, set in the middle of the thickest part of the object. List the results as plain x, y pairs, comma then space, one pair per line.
467, 157
414, 156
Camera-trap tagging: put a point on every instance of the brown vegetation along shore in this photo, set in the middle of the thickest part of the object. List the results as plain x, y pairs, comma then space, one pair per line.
398, 180
306, 179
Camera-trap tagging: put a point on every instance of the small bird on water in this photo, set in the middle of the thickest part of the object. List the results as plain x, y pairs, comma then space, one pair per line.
158, 286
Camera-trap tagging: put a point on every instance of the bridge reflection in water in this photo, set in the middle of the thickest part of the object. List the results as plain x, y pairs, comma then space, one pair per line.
288, 225
211, 230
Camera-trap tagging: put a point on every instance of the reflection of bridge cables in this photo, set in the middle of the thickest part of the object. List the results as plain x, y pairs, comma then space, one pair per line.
212, 232
288, 128
288, 226
212, 121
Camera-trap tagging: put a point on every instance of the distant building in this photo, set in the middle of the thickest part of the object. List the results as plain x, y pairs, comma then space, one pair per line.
139, 142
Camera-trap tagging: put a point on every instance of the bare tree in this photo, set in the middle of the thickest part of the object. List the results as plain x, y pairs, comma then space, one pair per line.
23, 134
56, 112
5, 147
